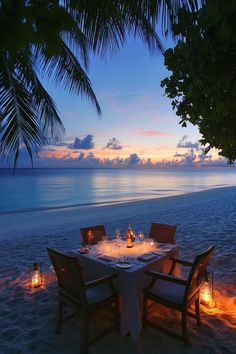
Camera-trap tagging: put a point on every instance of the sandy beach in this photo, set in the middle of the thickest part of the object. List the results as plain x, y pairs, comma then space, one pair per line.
28, 316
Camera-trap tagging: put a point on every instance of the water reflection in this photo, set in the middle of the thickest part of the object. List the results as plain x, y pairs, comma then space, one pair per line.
49, 188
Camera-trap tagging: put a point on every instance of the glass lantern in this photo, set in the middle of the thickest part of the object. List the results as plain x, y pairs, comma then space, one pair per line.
36, 276
207, 290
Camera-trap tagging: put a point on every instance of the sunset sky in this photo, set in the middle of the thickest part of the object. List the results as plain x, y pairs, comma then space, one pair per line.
138, 125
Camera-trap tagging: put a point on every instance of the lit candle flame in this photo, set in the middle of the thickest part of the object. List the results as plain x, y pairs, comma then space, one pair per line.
206, 295
36, 279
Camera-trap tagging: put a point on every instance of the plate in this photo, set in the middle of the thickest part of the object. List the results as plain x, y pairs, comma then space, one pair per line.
83, 250
166, 248
124, 265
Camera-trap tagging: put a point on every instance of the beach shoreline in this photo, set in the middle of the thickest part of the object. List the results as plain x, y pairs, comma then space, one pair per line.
45, 220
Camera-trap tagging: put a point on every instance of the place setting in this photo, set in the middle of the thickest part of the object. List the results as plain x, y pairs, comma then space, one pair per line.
124, 264
130, 250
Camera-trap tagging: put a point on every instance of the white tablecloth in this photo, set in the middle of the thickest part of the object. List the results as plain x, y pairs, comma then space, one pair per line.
130, 283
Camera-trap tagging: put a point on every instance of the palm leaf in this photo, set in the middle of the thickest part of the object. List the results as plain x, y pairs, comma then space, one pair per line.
19, 123
68, 73
46, 110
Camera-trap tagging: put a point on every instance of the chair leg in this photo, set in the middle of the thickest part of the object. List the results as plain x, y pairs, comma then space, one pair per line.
197, 311
184, 328
59, 320
145, 310
117, 310
85, 337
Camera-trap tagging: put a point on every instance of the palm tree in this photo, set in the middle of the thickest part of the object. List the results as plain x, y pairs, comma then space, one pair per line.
53, 39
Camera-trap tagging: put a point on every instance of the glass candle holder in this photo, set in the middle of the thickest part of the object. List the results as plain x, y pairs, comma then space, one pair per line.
36, 276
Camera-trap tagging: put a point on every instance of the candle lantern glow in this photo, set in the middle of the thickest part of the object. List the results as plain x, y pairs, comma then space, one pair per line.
36, 276
207, 290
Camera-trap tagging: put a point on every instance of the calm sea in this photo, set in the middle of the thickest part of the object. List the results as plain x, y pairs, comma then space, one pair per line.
31, 189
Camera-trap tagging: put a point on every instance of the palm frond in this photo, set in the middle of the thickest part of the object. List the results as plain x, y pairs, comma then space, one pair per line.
107, 23
68, 73
19, 124
78, 43
46, 109
62, 24
144, 25
102, 22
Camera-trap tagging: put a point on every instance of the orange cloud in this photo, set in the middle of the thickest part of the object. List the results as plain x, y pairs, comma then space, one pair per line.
58, 153
155, 133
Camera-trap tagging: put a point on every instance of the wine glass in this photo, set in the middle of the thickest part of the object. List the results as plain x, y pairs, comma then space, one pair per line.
117, 234
141, 236
99, 247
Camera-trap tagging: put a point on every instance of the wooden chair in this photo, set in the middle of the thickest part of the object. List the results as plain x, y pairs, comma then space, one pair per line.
82, 297
91, 235
163, 233
177, 293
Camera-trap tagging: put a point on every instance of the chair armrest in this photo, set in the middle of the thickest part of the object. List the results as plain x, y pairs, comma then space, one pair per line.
101, 280
181, 261
166, 277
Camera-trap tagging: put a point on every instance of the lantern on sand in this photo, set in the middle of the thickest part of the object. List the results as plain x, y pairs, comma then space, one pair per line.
207, 290
36, 276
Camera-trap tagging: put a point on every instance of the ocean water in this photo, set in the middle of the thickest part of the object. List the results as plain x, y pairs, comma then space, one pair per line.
32, 189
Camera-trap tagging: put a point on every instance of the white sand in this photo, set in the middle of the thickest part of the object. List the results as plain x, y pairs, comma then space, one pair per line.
28, 317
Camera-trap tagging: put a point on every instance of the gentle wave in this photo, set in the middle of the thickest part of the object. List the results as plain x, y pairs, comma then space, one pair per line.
62, 207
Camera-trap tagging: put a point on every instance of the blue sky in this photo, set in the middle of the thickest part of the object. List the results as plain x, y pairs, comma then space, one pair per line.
137, 123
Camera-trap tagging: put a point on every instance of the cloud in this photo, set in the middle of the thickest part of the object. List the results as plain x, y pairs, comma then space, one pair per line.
83, 160
195, 154
184, 143
133, 159
196, 157
86, 143
188, 158
113, 144
51, 149
155, 133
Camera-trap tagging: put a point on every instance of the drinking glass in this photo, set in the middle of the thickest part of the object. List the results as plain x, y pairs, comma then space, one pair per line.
117, 234
141, 236
152, 243
99, 247
88, 247
118, 245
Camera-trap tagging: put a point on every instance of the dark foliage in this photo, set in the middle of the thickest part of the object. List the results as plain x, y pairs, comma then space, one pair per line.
203, 80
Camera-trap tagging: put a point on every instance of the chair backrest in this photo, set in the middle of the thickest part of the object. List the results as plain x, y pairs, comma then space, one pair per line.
69, 276
197, 273
163, 233
91, 235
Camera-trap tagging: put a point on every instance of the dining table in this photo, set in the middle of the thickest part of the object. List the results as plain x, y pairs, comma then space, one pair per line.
130, 266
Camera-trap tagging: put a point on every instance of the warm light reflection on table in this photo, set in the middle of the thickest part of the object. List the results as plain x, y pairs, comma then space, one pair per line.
119, 248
